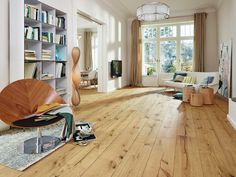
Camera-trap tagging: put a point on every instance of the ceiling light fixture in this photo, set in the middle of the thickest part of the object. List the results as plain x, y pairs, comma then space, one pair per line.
153, 11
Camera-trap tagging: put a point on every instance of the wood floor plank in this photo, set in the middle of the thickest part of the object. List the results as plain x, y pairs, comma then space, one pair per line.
143, 132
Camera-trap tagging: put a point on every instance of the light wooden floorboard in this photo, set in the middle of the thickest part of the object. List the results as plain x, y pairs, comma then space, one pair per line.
143, 133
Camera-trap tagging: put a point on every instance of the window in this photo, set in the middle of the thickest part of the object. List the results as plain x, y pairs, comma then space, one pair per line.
167, 48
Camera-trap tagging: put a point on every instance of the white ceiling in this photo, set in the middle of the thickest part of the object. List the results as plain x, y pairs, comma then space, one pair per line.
176, 6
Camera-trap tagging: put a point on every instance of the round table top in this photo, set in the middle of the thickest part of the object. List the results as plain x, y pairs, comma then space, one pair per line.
32, 122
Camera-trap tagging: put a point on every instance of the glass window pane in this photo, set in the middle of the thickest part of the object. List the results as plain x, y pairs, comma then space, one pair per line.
186, 30
186, 55
149, 33
168, 31
150, 60
168, 56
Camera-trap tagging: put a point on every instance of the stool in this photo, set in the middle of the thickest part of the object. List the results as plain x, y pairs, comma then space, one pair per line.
208, 95
196, 99
187, 93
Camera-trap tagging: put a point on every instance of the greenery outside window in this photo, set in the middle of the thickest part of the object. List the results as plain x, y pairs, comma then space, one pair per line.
167, 47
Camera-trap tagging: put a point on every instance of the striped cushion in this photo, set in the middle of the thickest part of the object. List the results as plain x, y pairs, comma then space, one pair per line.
189, 80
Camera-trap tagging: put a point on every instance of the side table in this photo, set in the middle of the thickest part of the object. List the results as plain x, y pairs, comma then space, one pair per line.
208, 95
187, 93
196, 99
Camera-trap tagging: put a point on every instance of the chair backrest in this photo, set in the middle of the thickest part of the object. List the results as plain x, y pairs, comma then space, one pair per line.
22, 98
92, 74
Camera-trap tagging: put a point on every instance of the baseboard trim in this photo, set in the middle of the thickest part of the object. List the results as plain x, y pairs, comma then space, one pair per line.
231, 120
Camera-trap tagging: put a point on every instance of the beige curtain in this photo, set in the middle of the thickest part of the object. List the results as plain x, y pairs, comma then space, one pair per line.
88, 50
199, 41
136, 54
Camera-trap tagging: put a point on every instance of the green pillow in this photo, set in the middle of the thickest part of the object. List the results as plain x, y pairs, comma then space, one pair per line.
178, 96
181, 74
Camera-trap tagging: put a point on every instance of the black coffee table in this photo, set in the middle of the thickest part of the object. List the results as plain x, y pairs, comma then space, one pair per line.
39, 144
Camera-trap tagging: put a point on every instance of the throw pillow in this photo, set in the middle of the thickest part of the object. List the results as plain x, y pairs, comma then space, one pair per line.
179, 78
189, 80
207, 80
181, 74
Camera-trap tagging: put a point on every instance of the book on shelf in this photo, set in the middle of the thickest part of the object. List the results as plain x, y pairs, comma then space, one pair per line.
46, 54
60, 70
32, 12
32, 33
32, 70
60, 39
48, 18
30, 55
61, 91
47, 76
48, 37
60, 22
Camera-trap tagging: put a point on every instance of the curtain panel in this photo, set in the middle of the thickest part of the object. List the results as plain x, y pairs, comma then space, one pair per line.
199, 41
136, 54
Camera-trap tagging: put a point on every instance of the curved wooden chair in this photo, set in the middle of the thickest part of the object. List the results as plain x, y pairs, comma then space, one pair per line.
21, 99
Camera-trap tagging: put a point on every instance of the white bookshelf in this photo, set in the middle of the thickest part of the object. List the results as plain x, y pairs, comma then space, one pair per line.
19, 43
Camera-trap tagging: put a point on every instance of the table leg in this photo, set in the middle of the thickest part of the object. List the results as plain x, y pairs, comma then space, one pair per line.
39, 141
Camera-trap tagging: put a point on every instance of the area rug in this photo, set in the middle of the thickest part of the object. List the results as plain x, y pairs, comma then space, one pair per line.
11, 154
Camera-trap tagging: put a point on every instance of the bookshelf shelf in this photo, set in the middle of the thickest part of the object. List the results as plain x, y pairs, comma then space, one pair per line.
32, 40
31, 58
46, 25
31, 21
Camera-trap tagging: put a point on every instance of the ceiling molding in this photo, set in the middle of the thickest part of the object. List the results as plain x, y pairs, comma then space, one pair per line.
191, 12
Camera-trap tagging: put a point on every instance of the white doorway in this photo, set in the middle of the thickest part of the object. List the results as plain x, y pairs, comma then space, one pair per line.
89, 40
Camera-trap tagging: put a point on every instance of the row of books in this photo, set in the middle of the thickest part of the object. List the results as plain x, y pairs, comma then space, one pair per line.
32, 12
60, 39
48, 18
32, 70
60, 22
61, 91
46, 54
32, 33
30, 55
60, 70
48, 37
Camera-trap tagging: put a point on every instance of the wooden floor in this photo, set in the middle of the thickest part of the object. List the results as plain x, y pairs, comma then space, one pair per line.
141, 132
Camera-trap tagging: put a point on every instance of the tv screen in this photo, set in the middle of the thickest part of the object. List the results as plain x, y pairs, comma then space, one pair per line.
116, 68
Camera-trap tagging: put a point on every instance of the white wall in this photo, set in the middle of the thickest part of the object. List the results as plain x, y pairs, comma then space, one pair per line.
226, 30
211, 55
4, 44
81, 46
4, 78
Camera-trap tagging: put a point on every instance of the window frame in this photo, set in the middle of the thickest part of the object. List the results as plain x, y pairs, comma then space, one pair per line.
160, 39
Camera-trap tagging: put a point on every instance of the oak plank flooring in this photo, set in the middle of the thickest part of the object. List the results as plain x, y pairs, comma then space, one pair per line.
141, 132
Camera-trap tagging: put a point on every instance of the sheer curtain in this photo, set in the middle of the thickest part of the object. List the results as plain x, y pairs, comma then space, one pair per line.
199, 41
88, 50
136, 54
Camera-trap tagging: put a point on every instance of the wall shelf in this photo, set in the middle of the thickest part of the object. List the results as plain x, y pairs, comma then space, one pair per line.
43, 54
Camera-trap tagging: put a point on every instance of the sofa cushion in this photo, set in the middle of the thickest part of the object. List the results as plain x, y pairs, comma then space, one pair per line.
189, 80
207, 80
179, 73
179, 78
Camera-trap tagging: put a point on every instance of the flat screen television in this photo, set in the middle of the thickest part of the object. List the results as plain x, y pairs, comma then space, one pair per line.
116, 68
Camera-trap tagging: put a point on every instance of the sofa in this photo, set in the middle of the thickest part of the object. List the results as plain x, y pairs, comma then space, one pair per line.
166, 79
